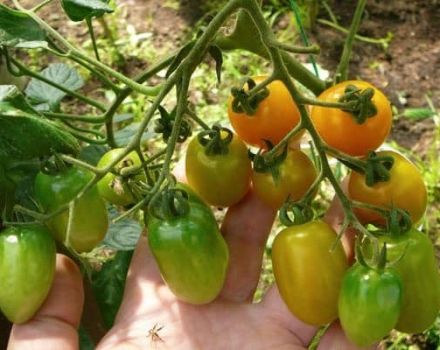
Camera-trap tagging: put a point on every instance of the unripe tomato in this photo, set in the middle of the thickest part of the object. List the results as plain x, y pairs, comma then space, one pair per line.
27, 268
276, 115
296, 174
191, 253
420, 279
405, 190
369, 303
308, 270
111, 187
340, 130
89, 223
223, 179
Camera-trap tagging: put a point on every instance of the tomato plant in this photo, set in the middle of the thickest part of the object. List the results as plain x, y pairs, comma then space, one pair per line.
417, 266
219, 179
89, 222
27, 268
191, 253
113, 188
295, 176
369, 303
340, 130
307, 258
274, 117
404, 190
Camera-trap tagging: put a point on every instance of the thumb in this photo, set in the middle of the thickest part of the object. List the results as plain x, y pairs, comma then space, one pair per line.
55, 324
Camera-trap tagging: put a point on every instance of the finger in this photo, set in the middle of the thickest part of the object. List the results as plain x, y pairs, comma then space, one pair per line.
275, 310
245, 229
55, 325
143, 283
334, 338
335, 218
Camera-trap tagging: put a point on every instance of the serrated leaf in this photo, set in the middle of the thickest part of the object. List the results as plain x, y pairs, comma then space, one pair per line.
19, 30
217, 55
78, 10
24, 134
122, 235
48, 97
418, 113
123, 136
109, 283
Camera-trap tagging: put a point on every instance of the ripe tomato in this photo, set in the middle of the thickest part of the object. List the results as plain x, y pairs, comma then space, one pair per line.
111, 187
420, 278
223, 179
309, 271
405, 190
276, 115
340, 130
369, 303
89, 223
191, 253
27, 268
296, 175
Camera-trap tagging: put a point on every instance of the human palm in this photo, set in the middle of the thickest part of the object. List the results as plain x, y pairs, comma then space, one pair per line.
151, 317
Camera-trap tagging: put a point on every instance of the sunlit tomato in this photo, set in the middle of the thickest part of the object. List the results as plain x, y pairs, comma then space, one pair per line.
309, 268
405, 190
276, 115
340, 130
221, 179
296, 175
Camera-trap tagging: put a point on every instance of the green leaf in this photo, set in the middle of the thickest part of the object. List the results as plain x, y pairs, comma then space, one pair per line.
92, 154
122, 235
47, 97
418, 113
24, 134
108, 285
17, 29
78, 10
217, 55
124, 135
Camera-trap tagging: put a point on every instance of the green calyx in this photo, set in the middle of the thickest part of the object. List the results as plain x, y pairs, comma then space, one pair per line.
264, 164
360, 103
215, 140
398, 222
246, 103
302, 213
170, 203
164, 125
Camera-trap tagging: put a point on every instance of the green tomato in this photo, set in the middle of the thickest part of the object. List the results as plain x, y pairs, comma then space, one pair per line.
89, 223
112, 187
191, 253
27, 268
420, 278
369, 303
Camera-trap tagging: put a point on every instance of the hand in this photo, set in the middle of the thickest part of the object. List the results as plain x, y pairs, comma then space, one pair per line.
150, 317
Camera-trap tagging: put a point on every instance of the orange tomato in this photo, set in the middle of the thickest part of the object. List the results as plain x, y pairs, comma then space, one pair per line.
340, 130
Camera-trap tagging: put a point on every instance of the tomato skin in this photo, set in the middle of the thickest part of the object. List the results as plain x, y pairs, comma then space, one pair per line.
90, 221
340, 130
296, 174
308, 272
122, 195
369, 303
191, 253
405, 190
27, 268
276, 115
420, 279
220, 180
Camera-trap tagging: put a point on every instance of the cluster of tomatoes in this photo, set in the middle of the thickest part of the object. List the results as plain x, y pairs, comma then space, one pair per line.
311, 269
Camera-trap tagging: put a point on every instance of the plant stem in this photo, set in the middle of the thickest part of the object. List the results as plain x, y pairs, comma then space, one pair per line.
342, 70
92, 36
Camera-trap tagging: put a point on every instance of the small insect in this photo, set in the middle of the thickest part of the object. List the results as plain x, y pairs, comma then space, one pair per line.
153, 333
